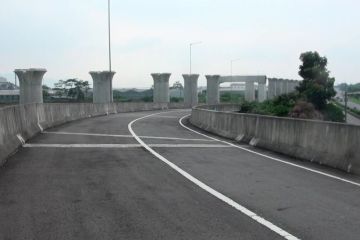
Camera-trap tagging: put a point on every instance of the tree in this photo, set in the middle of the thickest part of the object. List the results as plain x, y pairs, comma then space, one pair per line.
72, 88
317, 86
45, 91
177, 85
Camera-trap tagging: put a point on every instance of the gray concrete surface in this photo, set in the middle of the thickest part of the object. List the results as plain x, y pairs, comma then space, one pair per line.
161, 87
18, 123
250, 86
328, 143
278, 87
111, 193
262, 96
102, 86
212, 90
190, 89
249, 91
30, 81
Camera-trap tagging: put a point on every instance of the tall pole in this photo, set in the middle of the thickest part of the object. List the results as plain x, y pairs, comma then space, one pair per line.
109, 26
109, 30
346, 102
191, 44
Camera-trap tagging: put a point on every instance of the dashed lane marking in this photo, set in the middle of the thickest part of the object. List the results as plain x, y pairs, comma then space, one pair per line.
208, 189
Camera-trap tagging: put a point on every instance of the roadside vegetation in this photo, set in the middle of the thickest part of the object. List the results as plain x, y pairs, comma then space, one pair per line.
312, 98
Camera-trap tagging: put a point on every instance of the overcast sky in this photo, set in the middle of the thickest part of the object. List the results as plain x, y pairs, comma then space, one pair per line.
69, 37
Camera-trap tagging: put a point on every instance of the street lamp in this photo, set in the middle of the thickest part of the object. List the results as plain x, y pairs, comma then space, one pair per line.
109, 29
191, 44
231, 65
346, 102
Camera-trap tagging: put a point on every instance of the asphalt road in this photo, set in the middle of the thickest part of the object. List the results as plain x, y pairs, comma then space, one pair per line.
92, 179
353, 105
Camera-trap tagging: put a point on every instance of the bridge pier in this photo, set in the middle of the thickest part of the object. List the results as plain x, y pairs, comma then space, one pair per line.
249, 91
30, 85
190, 89
161, 87
212, 92
262, 92
278, 87
271, 88
102, 86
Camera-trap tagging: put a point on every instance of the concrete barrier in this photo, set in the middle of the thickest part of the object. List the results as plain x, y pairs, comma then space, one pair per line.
332, 144
22, 122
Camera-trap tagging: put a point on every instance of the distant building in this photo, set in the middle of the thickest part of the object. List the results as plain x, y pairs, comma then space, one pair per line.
234, 87
9, 93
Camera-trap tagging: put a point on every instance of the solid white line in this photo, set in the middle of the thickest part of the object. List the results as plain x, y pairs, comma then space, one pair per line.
160, 116
210, 190
21, 139
269, 157
41, 145
126, 136
81, 145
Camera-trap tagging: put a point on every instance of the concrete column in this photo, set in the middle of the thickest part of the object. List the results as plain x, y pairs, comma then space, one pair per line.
262, 92
30, 85
271, 88
190, 89
161, 87
102, 86
212, 91
295, 84
279, 87
284, 87
291, 86
250, 91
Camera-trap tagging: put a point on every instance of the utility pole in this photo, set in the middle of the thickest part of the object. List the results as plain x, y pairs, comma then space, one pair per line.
346, 102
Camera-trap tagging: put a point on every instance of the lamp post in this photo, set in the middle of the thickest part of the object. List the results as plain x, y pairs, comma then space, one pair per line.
191, 44
109, 29
346, 102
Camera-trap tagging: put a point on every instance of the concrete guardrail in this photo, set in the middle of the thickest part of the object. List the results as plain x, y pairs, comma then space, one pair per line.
22, 122
332, 144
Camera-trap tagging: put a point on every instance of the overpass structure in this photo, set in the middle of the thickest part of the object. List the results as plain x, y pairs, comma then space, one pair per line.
31, 87
162, 171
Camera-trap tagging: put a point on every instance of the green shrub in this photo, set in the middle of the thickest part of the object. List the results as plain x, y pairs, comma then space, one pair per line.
333, 113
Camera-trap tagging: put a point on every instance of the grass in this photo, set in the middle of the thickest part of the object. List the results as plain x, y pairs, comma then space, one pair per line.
354, 100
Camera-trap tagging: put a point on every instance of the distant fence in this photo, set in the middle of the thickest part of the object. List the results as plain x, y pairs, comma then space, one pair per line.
332, 144
24, 121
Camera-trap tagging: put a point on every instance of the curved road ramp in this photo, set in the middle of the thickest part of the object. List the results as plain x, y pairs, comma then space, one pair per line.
143, 171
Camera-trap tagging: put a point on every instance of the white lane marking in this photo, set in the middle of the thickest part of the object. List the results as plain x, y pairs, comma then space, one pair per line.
208, 189
40, 127
269, 157
21, 139
159, 116
126, 136
41, 145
